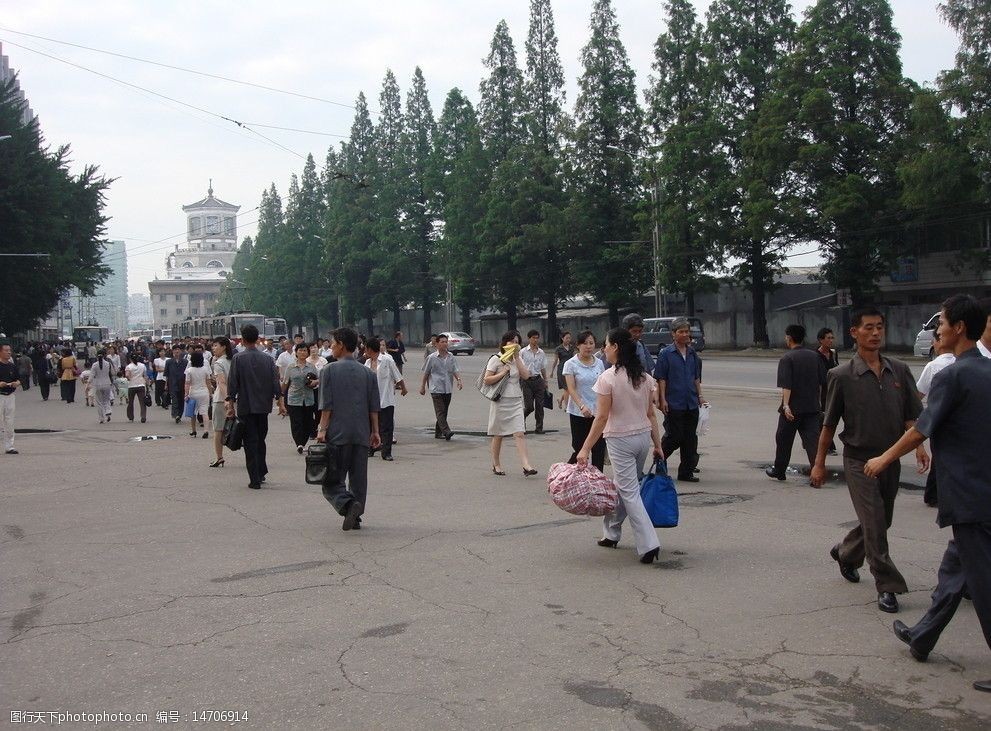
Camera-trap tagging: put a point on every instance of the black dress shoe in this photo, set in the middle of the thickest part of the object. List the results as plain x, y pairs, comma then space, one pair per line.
887, 602
773, 473
539, 430
984, 685
650, 556
255, 486
387, 457
903, 633
351, 518
449, 435
688, 478
608, 543
847, 571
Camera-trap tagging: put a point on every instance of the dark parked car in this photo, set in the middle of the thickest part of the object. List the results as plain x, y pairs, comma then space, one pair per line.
657, 333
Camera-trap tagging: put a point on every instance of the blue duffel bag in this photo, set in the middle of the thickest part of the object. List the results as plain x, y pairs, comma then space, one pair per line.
189, 411
660, 496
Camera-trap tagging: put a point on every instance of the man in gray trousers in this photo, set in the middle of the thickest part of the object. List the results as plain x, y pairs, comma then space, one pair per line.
349, 420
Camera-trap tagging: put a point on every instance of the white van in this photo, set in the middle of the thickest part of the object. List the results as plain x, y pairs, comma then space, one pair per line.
924, 340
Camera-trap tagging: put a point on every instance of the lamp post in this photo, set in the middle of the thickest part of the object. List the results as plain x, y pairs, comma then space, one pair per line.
655, 214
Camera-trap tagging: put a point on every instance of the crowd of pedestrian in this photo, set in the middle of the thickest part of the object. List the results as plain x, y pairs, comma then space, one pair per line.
620, 401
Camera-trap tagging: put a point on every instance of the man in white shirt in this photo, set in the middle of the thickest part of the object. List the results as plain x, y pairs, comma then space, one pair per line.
285, 359
944, 358
535, 386
159, 367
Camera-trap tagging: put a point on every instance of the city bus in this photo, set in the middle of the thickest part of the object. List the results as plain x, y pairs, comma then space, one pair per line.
229, 324
84, 336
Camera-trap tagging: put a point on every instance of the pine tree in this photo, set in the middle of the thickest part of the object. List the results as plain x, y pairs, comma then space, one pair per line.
844, 112
351, 221
460, 179
544, 97
304, 246
610, 263
745, 45
690, 169
500, 109
418, 199
233, 295
259, 278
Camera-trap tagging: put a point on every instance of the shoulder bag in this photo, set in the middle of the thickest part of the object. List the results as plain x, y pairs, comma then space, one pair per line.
491, 391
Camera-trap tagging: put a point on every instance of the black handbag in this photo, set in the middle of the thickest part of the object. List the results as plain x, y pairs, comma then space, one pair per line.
147, 400
233, 433
321, 464
548, 400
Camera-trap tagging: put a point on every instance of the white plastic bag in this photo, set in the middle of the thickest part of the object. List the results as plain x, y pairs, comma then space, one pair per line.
703, 427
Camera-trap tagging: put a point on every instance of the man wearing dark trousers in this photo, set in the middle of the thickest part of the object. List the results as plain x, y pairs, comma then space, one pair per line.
802, 379
877, 399
175, 380
349, 421
955, 419
678, 371
252, 385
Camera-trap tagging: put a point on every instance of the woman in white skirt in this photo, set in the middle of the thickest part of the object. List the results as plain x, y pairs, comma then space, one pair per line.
199, 388
624, 414
506, 414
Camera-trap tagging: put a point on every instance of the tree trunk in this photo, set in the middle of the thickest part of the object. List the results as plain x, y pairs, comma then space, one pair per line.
690, 302
397, 317
613, 315
428, 322
369, 323
552, 337
757, 290
511, 316
316, 328
466, 318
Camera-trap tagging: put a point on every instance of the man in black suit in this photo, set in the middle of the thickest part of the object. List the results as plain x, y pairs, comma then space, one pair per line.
955, 419
251, 387
175, 379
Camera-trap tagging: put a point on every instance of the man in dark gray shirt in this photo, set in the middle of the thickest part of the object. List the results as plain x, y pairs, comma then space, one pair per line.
877, 400
955, 419
802, 379
349, 420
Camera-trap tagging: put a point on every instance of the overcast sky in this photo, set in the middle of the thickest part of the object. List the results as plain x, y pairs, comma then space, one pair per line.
163, 153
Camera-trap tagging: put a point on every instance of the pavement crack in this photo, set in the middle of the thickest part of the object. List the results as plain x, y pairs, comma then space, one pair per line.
648, 598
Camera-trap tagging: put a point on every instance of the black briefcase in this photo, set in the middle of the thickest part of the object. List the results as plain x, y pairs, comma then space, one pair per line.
321, 464
233, 433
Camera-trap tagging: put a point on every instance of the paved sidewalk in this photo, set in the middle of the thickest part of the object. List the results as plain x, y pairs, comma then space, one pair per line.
137, 580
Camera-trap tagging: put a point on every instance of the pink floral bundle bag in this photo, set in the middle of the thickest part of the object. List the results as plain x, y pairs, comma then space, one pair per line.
581, 490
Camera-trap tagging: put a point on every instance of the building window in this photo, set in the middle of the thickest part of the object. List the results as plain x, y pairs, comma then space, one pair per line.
195, 226
194, 311
178, 311
161, 298
229, 228
187, 265
212, 225
163, 312
178, 298
215, 264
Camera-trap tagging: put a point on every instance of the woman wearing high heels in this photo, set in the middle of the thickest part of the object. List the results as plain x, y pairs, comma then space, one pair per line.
198, 389
223, 354
506, 414
624, 414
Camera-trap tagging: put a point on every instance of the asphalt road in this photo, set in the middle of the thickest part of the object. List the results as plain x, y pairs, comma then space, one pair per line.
136, 580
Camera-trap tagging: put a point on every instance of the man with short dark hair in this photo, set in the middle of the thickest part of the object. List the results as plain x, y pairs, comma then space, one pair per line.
802, 379
441, 371
349, 420
397, 349
535, 386
877, 400
984, 343
679, 395
175, 380
9, 381
955, 419
633, 323
252, 385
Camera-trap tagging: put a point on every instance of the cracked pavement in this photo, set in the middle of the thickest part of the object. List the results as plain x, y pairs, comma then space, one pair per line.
136, 579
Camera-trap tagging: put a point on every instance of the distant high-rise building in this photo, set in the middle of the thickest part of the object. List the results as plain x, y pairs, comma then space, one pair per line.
6, 74
108, 305
139, 311
195, 273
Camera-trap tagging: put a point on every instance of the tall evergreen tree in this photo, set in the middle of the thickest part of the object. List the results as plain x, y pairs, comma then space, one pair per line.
233, 295
352, 221
611, 263
461, 177
304, 246
690, 170
844, 114
746, 42
260, 277
544, 96
500, 109
418, 200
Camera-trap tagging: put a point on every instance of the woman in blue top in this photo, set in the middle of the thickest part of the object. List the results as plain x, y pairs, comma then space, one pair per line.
580, 374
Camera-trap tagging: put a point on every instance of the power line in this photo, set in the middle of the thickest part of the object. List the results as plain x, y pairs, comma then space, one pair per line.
183, 69
241, 125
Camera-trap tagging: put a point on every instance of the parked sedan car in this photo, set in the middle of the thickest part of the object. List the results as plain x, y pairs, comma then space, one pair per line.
924, 340
459, 342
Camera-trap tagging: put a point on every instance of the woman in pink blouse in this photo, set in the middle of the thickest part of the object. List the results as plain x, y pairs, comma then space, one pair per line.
625, 415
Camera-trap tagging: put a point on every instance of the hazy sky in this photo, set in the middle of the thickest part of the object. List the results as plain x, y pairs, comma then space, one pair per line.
163, 153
